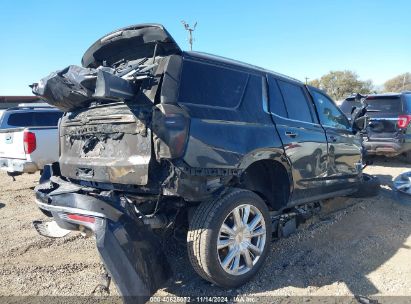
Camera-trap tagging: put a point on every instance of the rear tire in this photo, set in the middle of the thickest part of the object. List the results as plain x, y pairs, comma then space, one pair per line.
223, 246
369, 186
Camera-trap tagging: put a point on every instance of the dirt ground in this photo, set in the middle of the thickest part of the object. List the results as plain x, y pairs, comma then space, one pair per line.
355, 247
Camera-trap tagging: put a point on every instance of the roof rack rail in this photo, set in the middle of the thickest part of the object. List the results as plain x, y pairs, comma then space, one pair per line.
34, 105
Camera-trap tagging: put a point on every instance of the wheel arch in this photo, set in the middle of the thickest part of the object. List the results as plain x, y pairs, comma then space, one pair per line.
270, 178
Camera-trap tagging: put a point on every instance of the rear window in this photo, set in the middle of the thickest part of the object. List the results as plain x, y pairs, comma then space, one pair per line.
205, 84
384, 104
34, 119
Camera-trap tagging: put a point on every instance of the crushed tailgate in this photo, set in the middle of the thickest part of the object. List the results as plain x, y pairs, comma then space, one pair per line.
105, 135
107, 143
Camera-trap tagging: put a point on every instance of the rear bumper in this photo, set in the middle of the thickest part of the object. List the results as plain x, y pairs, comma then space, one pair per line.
17, 165
130, 250
387, 148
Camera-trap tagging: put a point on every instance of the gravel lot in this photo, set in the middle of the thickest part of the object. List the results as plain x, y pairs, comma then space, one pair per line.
354, 247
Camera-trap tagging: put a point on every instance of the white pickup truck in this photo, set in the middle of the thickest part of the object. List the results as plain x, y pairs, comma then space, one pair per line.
28, 138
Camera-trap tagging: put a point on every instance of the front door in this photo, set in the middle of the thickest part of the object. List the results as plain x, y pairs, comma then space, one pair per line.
344, 148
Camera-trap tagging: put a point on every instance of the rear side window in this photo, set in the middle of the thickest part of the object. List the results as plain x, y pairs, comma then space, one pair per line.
253, 94
277, 105
209, 85
296, 101
34, 119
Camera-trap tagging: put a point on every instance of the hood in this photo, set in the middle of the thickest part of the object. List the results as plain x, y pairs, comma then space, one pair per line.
130, 43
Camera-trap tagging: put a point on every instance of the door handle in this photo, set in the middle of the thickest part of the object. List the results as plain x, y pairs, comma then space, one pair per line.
333, 138
291, 134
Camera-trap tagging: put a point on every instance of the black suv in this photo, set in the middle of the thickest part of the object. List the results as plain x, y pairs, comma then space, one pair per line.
156, 141
389, 115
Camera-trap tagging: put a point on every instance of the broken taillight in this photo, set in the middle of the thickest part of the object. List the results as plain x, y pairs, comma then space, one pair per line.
29, 140
403, 121
81, 218
171, 127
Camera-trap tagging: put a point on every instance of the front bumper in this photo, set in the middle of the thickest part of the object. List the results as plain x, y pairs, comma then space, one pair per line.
17, 165
130, 250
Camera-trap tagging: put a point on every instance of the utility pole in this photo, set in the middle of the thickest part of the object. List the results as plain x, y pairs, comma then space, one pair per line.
190, 31
306, 80
403, 82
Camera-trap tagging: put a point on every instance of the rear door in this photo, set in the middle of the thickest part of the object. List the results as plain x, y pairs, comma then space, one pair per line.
303, 137
383, 113
344, 148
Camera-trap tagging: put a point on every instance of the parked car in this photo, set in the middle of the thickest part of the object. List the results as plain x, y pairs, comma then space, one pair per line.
388, 132
28, 138
157, 140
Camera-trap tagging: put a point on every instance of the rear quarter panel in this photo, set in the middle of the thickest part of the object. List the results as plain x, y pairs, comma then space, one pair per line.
232, 137
228, 144
227, 133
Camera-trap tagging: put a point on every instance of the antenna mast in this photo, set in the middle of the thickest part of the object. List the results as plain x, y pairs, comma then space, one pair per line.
190, 31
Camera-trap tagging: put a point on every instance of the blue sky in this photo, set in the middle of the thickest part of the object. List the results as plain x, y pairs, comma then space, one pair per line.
297, 38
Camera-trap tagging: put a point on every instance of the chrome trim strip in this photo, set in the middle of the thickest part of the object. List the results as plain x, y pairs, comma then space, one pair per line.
265, 95
67, 209
381, 118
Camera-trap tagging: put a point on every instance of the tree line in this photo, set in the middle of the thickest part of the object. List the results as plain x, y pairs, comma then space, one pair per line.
340, 84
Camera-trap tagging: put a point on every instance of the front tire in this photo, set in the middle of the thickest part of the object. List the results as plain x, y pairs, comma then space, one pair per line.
229, 238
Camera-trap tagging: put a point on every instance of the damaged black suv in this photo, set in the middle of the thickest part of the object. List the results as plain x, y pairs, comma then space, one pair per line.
156, 141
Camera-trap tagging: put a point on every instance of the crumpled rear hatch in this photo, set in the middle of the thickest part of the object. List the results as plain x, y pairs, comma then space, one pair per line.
130, 43
105, 135
107, 143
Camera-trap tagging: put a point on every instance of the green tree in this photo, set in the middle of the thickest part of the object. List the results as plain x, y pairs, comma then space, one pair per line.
399, 83
340, 84
314, 83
